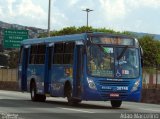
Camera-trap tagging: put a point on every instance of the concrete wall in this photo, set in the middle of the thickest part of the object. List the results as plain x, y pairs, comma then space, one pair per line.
9, 85
151, 96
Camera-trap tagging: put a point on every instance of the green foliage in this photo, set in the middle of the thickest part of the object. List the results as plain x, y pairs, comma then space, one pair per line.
151, 49
83, 29
13, 59
42, 35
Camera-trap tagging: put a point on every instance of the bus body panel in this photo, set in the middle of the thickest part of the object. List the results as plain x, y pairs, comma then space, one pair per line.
106, 87
59, 76
36, 73
78, 71
52, 79
23, 69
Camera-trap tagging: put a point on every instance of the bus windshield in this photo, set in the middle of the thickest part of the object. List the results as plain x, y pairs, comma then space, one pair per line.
126, 62
113, 62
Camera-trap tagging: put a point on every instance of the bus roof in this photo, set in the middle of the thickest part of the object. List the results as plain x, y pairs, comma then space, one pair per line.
65, 38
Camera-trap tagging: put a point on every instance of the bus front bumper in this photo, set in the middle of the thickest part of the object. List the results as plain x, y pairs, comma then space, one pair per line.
94, 95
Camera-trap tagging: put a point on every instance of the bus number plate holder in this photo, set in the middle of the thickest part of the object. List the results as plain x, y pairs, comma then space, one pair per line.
114, 95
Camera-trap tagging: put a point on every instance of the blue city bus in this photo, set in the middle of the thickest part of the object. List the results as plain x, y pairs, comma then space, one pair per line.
87, 66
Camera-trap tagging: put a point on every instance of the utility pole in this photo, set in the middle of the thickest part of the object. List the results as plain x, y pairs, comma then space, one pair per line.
49, 14
87, 10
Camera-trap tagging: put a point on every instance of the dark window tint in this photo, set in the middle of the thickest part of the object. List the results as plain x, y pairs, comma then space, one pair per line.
21, 55
68, 59
59, 47
40, 56
63, 53
58, 53
33, 54
58, 59
37, 54
69, 47
33, 49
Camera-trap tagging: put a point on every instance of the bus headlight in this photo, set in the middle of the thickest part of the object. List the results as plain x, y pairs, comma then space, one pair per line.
135, 87
91, 83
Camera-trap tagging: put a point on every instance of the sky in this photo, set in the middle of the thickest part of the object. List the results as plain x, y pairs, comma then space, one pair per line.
119, 15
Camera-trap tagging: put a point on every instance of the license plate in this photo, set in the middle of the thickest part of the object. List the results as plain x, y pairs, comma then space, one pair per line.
114, 95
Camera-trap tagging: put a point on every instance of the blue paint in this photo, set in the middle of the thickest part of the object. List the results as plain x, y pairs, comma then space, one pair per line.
51, 79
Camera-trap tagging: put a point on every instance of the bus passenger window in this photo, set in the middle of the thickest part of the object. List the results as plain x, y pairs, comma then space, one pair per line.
32, 54
40, 57
63, 53
58, 53
68, 52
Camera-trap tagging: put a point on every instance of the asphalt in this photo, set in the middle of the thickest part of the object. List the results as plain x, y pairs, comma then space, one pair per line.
17, 105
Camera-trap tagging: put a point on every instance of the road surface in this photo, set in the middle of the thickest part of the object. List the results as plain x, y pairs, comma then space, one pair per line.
17, 105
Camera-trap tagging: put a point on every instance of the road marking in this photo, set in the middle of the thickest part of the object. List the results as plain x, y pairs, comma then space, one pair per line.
153, 110
76, 110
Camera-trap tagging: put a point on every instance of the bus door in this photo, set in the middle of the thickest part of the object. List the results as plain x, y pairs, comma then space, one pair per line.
78, 67
48, 64
25, 54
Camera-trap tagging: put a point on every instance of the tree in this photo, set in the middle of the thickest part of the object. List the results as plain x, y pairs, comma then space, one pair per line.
83, 29
151, 49
13, 59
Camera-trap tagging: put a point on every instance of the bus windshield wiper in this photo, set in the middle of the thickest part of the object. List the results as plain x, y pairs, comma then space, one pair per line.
122, 53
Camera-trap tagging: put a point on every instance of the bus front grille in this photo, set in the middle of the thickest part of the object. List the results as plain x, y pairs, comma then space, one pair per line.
105, 92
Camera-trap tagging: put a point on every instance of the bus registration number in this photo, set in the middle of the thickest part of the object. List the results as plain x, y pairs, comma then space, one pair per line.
114, 95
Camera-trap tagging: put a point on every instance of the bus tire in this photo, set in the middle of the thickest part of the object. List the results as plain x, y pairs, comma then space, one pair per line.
71, 100
33, 91
116, 103
41, 98
69, 95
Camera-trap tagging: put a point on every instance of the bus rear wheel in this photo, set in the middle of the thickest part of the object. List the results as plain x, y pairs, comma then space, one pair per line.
34, 95
116, 103
42, 98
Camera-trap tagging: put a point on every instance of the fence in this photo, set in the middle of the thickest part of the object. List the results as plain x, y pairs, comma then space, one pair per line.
151, 78
8, 75
8, 79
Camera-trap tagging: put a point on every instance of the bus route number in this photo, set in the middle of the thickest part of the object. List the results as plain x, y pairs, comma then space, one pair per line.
122, 88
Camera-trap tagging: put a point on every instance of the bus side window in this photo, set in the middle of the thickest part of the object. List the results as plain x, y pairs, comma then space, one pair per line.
40, 56
58, 53
33, 54
63, 53
68, 52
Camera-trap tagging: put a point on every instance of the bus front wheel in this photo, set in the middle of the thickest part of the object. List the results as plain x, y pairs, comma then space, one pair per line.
69, 96
71, 100
116, 103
